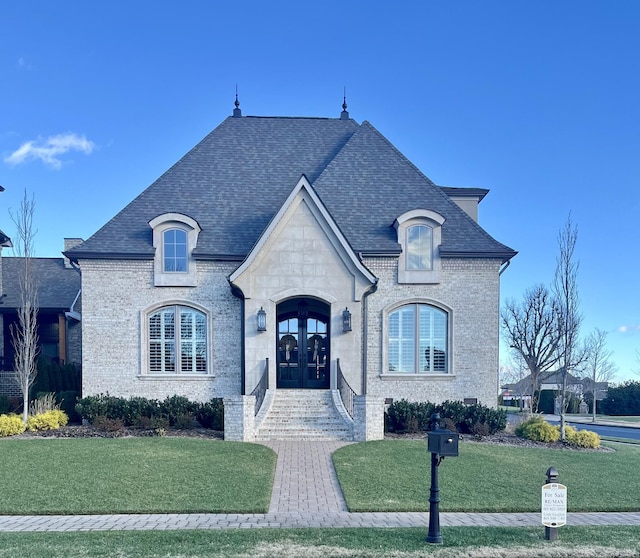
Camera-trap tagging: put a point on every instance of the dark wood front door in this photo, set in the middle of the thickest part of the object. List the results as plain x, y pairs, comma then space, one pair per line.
303, 344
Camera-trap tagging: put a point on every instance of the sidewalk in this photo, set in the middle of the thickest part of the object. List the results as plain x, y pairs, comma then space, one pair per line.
587, 419
306, 493
147, 522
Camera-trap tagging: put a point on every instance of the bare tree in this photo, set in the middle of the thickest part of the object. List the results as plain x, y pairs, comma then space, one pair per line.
599, 365
24, 334
531, 330
513, 371
565, 289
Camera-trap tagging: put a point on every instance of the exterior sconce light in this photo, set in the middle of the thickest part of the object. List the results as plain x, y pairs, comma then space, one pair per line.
346, 320
262, 319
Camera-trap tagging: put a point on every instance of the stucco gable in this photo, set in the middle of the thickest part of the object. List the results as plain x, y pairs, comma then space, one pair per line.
302, 245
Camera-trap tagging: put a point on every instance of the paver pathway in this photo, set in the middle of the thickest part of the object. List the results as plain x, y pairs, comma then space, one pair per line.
305, 479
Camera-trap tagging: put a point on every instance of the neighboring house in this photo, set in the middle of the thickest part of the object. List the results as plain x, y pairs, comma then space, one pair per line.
551, 381
306, 255
59, 330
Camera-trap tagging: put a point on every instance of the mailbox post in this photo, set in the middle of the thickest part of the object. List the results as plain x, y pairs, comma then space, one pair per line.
441, 443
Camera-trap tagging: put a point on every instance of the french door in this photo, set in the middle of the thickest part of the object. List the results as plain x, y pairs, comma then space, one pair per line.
303, 344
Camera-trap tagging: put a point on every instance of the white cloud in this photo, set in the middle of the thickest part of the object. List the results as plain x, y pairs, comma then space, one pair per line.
50, 149
627, 328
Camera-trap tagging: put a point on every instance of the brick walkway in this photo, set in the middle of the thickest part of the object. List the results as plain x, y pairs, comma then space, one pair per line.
306, 493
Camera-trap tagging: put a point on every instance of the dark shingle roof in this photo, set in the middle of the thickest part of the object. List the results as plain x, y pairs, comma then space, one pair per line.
235, 180
58, 285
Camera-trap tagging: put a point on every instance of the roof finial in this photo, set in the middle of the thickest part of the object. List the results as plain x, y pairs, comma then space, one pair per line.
344, 115
236, 111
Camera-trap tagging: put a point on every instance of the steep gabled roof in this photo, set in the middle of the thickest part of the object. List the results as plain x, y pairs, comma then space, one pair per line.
237, 178
58, 286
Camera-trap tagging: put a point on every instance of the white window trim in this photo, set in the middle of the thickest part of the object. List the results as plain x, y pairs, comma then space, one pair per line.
387, 374
145, 373
402, 224
160, 224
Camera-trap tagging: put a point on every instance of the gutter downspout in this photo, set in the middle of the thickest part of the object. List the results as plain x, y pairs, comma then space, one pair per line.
239, 294
365, 330
505, 265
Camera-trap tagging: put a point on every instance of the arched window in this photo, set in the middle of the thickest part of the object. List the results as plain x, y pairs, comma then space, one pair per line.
177, 341
175, 237
420, 237
418, 340
419, 248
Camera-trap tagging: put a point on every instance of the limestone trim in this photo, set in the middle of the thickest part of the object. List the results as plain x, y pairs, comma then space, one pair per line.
402, 225
160, 225
300, 292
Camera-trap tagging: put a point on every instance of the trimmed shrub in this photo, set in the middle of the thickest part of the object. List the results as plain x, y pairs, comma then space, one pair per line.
138, 407
538, 430
49, 420
177, 406
456, 411
582, 438
211, 414
405, 416
11, 425
176, 411
185, 421
480, 419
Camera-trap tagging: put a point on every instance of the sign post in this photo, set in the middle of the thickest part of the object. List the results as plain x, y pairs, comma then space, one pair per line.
554, 505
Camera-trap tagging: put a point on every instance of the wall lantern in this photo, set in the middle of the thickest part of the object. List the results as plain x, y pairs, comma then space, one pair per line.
262, 319
346, 320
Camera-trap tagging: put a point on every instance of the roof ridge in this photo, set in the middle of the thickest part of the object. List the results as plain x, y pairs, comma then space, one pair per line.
297, 117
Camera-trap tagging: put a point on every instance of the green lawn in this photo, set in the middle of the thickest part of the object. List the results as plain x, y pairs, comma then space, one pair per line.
470, 542
182, 475
134, 475
394, 475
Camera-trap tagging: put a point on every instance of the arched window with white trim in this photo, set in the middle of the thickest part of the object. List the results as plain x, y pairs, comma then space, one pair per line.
177, 337
418, 340
420, 236
175, 237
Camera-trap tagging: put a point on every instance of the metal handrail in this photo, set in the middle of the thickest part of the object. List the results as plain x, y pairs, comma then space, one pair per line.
261, 389
346, 391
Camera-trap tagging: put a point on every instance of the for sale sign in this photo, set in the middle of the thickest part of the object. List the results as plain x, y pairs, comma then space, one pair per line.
554, 505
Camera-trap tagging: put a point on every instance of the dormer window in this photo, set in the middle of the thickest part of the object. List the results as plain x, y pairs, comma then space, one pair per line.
175, 236
174, 247
419, 248
419, 234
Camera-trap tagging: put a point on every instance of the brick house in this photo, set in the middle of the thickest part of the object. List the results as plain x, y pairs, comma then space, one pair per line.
59, 311
303, 270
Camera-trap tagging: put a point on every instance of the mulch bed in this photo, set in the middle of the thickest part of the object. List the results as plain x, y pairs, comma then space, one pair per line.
88, 431
502, 438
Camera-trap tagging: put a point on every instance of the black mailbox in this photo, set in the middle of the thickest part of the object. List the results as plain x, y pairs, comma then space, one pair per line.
442, 441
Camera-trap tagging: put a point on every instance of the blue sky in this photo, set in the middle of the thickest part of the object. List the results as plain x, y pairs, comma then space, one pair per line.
536, 100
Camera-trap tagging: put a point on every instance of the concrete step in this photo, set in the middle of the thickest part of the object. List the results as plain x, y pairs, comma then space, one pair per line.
303, 415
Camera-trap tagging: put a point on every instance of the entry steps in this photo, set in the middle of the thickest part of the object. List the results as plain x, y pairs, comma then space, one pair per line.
305, 414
